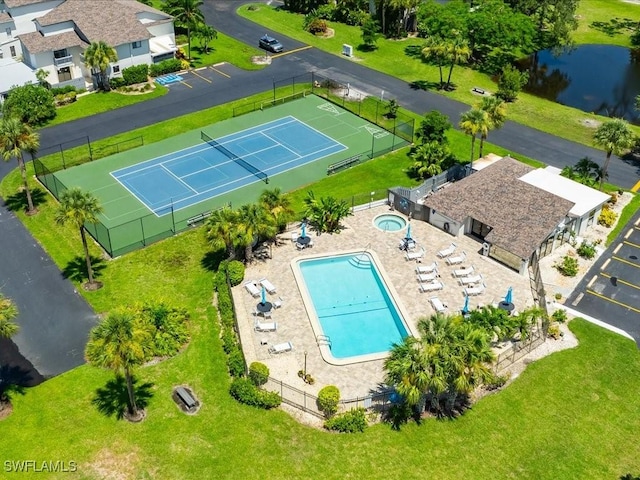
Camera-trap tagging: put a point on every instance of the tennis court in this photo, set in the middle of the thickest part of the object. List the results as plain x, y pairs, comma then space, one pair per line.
157, 190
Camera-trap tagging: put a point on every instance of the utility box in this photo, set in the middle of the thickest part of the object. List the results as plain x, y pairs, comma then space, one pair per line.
347, 50
485, 248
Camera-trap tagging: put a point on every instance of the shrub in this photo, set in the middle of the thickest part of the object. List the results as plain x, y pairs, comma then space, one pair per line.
349, 422
586, 250
607, 217
235, 270
117, 82
559, 315
326, 11
568, 267
554, 331
328, 399
236, 363
167, 327
32, 104
164, 67
135, 74
510, 83
494, 382
258, 373
243, 390
67, 89
317, 26
558, 296
613, 199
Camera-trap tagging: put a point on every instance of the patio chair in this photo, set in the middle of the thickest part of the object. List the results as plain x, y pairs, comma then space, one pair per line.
457, 260
445, 252
431, 287
252, 288
278, 303
432, 267
415, 255
463, 272
265, 326
427, 277
281, 347
310, 244
268, 285
294, 237
437, 304
470, 279
475, 290
300, 246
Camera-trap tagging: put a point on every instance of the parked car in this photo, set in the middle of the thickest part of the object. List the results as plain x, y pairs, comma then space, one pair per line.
269, 43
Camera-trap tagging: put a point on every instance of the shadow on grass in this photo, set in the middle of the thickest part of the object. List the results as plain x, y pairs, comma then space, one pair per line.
18, 201
615, 26
76, 269
112, 399
414, 51
424, 85
212, 259
363, 47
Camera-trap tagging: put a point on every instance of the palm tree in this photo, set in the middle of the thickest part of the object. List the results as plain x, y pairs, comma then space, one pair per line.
17, 137
255, 222
435, 50
78, 207
474, 122
496, 115
458, 52
8, 311
206, 33
221, 230
615, 136
119, 344
97, 57
428, 158
326, 213
406, 369
278, 205
187, 13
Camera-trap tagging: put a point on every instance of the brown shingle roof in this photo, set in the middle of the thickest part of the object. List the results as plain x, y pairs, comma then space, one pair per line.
521, 216
112, 21
5, 18
37, 43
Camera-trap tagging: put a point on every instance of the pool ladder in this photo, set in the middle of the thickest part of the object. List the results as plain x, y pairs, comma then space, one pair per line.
323, 340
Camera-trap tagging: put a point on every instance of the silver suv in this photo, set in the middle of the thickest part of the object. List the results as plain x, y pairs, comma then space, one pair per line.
271, 44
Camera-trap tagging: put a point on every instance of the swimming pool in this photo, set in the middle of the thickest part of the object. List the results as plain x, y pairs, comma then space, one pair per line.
354, 315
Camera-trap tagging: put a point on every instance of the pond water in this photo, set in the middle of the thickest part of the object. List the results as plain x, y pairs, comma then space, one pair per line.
602, 79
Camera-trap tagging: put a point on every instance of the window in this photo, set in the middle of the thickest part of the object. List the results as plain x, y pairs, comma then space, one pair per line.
8, 30
136, 44
60, 53
64, 74
592, 216
116, 69
12, 49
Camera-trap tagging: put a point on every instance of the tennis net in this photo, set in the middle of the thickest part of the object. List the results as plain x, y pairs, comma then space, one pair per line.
243, 163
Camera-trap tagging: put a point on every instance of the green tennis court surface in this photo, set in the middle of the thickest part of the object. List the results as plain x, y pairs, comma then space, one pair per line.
157, 190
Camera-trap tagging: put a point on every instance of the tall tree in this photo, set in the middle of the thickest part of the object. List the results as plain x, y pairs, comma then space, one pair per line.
8, 311
78, 207
17, 137
474, 122
496, 115
207, 34
188, 14
326, 213
255, 222
97, 57
614, 136
458, 52
119, 343
429, 158
433, 128
221, 230
435, 51
555, 20
278, 205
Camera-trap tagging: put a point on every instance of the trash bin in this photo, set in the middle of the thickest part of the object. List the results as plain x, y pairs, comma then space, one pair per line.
485, 248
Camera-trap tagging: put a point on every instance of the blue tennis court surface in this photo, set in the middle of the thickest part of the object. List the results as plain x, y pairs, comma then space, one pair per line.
184, 178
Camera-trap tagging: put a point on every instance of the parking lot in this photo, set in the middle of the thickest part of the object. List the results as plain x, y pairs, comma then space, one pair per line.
202, 76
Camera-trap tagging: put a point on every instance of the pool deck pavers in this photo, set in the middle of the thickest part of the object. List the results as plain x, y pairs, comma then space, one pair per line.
360, 379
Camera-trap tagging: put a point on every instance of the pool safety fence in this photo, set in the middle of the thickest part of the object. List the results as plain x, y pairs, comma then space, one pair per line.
517, 350
128, 236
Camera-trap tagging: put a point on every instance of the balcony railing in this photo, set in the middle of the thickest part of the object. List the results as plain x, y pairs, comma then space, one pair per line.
62, 61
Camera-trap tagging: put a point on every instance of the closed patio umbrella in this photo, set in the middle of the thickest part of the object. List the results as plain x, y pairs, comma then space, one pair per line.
304, 230
263, 296
509, 296
465, 309
408, 235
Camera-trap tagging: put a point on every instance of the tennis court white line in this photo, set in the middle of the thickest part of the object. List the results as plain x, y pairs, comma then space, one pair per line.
250, 134
278, 142
256, 129
176, 177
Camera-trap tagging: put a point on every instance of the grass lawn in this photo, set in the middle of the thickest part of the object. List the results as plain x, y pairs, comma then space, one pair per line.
605, 22
224, 49
395, 57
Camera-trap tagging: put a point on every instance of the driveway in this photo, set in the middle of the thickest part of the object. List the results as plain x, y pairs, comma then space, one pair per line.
610, 291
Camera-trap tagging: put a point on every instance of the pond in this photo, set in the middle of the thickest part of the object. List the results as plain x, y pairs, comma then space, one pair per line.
602, 79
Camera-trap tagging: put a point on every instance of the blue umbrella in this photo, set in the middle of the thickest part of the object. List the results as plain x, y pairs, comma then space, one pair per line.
264, 296
509, 297
408, 235
465, 309
304, 230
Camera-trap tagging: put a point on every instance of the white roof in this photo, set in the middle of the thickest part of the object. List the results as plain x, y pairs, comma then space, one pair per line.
549, 179
14, 73
483, 162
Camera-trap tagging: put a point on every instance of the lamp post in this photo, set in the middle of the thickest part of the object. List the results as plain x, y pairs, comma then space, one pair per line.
305, 363
371, 201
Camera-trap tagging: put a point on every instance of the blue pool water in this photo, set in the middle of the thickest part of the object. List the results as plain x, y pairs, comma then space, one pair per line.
353, 305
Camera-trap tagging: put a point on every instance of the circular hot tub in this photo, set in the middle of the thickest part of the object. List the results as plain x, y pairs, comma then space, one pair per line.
390, 222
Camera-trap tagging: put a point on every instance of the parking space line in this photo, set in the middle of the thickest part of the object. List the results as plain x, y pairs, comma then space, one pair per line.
615, 250
629, 232
198, 75
221, 73
632, 244
296, 50
626, 261
185, 83
622, 281
613, 301
636, 187
604, 265
591, 281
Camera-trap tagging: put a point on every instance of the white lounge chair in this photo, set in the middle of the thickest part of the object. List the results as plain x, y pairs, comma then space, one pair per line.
445, 252
475, 290
281, 347
265, 326
470, 279
252, 288
415, 255
277, 303
431, 287
427, 277
463, 272
300, 246
268, 286
437, 304
433, 267
457, 260
294, 237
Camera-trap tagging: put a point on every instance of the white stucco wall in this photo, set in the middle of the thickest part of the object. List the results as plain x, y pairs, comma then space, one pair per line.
438, 220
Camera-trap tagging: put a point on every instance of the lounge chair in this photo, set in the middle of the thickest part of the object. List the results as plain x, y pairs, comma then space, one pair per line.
300, 246
427, 277
463, 272
433, 267
475, 290
277, 303
415, 255
294, 237
437, 304
252, 288
457, 260
268, 285
281, 347
431, 287
445, 252
265, 326
470, 279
